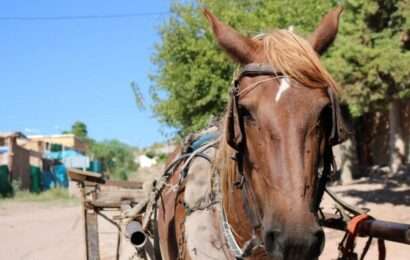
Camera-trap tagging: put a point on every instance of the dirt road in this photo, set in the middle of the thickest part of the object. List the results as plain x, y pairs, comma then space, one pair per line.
386, 201
49, 231
43, 231
39, 231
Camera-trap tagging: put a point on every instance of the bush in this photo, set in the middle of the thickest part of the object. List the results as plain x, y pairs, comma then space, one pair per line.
116, 157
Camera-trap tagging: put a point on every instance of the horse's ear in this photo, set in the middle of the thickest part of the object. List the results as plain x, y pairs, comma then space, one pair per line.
239, 47
326, 32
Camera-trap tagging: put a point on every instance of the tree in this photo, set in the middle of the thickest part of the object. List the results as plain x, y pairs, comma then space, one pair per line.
194, 75
371, 60
78, 129
117, 158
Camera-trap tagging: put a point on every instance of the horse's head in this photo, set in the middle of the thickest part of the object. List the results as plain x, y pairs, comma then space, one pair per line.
280, 122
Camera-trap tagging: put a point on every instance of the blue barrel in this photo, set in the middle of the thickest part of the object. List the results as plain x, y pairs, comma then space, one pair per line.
96, 166
61, 175
48, 180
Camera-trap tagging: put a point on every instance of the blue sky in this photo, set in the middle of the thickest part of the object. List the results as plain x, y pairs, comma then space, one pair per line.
53, 73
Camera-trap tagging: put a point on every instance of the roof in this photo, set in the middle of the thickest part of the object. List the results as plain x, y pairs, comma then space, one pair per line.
12, 134
51, 136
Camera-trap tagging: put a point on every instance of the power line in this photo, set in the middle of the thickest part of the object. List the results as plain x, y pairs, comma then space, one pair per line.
80, 17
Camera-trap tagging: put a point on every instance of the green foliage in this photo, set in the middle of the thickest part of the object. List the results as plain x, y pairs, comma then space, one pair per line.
193, 77
117, 158
151, 154
79, 129
162, 157
368, 58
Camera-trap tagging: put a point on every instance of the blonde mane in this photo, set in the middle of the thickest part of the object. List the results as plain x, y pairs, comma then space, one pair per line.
294, 57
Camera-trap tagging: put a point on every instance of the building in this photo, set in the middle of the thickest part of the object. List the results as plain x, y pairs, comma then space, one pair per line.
21, 153
145, 162
16, 157
67, 141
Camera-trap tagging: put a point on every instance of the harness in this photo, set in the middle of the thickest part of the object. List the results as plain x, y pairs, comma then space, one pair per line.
234, 136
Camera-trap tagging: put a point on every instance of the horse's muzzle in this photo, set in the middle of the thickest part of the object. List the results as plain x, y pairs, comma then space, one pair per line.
284, 246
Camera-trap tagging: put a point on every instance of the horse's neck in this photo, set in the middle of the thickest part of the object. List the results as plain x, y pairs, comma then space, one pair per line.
235, 213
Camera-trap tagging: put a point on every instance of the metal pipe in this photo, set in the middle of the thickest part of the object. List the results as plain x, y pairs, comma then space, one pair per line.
389, 231
136, 234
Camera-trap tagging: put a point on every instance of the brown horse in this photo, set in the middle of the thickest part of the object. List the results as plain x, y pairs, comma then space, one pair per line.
278, 131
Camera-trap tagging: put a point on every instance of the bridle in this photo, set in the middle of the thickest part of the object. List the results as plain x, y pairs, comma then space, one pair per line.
235, 130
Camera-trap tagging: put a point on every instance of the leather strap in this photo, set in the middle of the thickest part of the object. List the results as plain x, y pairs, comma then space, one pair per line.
257, 69
339, 132
348, 244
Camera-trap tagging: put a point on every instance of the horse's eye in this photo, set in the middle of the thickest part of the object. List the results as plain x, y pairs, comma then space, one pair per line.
245, 114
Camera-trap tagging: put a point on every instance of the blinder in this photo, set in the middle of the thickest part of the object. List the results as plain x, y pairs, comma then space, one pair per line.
234, 134
339, 132
234, 129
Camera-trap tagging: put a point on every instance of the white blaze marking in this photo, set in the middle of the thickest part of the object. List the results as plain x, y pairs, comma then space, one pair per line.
284, 85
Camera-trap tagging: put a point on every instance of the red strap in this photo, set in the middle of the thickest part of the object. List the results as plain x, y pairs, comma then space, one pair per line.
354, 223
352, 231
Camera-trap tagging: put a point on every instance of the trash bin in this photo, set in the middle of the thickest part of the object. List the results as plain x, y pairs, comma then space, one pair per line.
61, 175
95, 166
6, 189
35, 177
48, 180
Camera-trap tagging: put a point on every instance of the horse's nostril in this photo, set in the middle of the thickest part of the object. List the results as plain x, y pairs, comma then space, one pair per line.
270, 238
318, 243
272, 242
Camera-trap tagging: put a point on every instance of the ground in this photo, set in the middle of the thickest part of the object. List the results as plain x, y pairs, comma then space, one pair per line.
53, 230
387, 200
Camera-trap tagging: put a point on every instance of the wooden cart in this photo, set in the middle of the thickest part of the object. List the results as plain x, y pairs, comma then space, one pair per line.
98, 197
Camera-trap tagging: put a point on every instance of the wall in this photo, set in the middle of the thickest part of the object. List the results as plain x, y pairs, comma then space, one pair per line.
68, 141
19, 163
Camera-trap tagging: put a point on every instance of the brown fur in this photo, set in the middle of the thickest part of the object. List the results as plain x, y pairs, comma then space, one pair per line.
325, 33
294, 56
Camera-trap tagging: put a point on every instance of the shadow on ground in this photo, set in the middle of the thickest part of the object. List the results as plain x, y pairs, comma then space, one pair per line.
395, 189
385, 195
